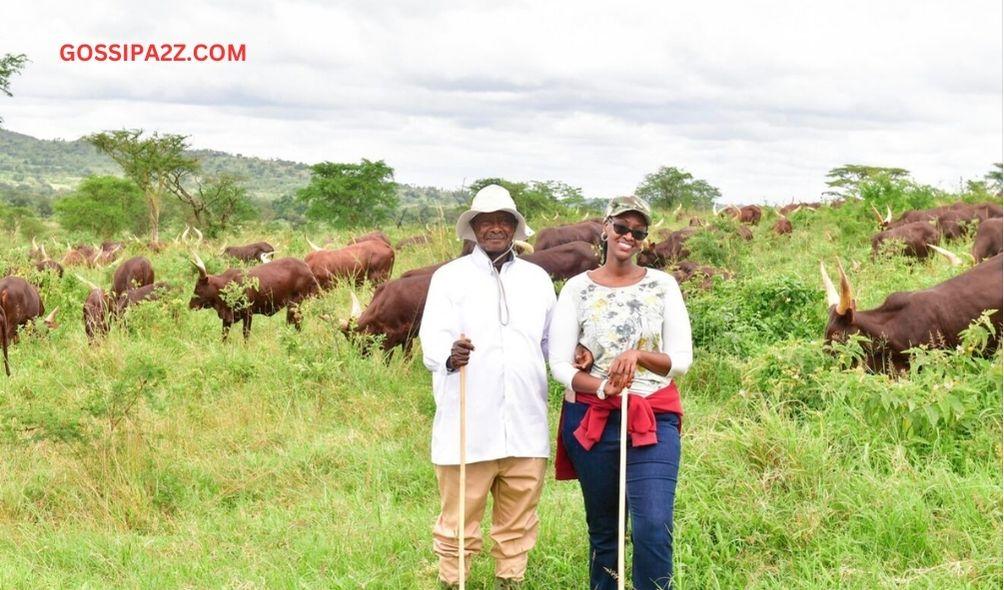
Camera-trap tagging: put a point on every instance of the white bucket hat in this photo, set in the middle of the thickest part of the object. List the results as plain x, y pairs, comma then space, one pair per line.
488, 200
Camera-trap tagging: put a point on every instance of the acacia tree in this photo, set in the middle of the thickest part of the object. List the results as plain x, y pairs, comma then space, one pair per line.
10, 64
350, 195
153, 163
216, 202
536, 197
846, 180
670, 186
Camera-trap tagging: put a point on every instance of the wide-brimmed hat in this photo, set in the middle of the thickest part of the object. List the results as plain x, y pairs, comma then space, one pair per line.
621, 205
488, 200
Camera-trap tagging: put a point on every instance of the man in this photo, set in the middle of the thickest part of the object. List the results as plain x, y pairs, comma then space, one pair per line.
489, 311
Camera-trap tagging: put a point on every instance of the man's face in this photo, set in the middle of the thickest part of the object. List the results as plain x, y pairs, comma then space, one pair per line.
494, 230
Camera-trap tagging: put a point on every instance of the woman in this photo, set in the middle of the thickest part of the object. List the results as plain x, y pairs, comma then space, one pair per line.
622, 329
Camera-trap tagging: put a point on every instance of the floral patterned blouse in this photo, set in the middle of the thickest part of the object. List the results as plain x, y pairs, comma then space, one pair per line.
648, 315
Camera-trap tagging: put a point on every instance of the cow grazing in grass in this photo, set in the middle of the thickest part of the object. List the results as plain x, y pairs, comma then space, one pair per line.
686, 270
369, 260
19, 304
782, 226
914, 236
988, 239
395, 312
100, 308
256, 252
934, 317
749, 214
373, 235
267, 288
584, 231
135, 272
81, 255
42, 261
669, 250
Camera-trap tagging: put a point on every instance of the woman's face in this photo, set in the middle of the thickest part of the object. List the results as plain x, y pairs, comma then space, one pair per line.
622, 246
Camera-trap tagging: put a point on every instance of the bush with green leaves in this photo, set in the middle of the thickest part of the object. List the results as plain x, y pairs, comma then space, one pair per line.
103, 206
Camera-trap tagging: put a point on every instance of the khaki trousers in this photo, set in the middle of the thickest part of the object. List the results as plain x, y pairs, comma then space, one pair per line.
515, 484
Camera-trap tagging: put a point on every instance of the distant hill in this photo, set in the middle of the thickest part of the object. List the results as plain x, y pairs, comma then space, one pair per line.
54, 165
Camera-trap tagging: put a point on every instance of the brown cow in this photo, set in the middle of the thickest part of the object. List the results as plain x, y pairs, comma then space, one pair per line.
395, 312
782, 226
988, 239
100, 307
267, 288
686, 270
746, 214
792, 207
371, 260
81, 255
669, 250
256, 252
584, 231
566, 260
19, 304
373, 235
914, 236
907, 319
135, 272
42, 261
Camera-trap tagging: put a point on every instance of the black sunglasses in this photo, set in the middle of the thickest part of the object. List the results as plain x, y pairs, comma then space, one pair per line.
621, 229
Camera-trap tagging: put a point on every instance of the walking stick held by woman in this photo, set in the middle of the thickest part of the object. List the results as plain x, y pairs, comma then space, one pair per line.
462, 498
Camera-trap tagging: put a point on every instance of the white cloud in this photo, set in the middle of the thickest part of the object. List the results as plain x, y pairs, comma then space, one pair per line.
760, 99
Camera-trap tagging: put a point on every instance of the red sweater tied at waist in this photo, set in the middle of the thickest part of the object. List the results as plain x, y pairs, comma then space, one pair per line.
641, 422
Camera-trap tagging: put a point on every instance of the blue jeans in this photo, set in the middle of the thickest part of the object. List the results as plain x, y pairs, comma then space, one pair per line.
651, 490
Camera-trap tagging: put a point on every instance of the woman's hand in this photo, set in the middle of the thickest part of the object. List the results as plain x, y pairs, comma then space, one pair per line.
621, 373
583, 358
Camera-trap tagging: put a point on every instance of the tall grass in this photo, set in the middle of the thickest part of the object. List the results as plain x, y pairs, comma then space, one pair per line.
165, 458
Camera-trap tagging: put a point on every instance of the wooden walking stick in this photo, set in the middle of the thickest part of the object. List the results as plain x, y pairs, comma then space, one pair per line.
622, 491
462, 500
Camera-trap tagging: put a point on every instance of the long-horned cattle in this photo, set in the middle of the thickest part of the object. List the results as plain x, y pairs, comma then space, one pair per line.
19, 304
135, 272
934, 317
988, 239
914, 237
370, 260
42, 261
395, 312
373, 235
672, 249
265, 289
256, 252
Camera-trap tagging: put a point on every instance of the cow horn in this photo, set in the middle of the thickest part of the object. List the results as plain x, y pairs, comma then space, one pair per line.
45, 255
196, 230
314, 246
659, 223
357, 308
52, 315
832, 298
846, 293
525, 247
265, 257
199, 264
888, 214
955, 260
86, 282
877, 214
677, 210
714, 209
184, 234
34, 244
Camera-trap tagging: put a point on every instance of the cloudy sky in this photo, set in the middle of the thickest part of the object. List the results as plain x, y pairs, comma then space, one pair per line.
758, 98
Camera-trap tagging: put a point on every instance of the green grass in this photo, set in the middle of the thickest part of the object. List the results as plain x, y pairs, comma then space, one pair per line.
164, 458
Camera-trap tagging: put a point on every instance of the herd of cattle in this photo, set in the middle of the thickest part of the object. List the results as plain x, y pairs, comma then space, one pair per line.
934, 316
